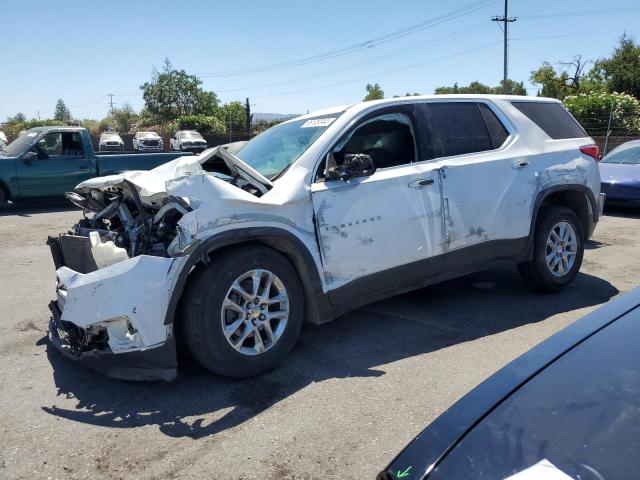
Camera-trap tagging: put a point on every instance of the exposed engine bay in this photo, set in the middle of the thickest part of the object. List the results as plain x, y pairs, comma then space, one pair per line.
121, 217
132, 214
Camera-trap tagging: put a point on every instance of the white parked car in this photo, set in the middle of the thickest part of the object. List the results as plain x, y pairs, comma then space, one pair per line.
147, 142
314, 217
188, 141
110, 141
3, 140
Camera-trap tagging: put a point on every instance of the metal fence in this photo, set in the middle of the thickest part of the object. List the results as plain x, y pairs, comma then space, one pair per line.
609, 127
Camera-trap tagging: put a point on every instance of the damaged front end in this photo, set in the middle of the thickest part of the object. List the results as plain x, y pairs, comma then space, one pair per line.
114, 280
117, 267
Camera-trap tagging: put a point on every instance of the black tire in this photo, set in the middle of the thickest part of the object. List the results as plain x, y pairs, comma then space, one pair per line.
536, 272
201, 318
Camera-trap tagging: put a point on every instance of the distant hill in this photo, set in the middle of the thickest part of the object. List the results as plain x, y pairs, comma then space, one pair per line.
273, 116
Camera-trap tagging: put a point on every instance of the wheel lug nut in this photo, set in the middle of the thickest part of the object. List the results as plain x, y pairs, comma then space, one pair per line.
262, 316
263, 306
255, 300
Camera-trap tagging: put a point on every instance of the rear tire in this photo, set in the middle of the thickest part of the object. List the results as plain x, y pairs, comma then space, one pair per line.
234, 328
558, 248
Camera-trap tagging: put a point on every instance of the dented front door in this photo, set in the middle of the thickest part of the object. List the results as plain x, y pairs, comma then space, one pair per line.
372, 224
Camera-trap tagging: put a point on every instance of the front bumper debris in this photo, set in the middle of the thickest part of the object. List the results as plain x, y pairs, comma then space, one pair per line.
159, 363
112, 319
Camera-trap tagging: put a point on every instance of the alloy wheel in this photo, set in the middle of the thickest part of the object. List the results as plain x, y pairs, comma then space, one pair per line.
255, 312
561, 248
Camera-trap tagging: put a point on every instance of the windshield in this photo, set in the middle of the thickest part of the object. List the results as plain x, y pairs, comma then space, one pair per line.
190, 135
273, 150
111, 136
20, 144
628, 156
147, 134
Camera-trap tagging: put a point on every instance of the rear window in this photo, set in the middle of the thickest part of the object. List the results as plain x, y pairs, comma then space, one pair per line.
461, 127
552, 118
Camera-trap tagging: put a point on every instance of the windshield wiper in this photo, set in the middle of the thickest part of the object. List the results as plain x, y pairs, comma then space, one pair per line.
281, 172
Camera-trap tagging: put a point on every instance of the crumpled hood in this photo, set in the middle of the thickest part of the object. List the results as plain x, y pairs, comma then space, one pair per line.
619, 173
148, 182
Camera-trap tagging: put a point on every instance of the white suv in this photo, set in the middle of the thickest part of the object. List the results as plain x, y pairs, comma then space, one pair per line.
232, 252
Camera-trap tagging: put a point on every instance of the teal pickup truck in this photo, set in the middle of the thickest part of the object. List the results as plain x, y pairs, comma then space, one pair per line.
47, 162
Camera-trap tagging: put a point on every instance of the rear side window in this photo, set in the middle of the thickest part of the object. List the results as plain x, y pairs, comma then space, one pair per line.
552, 118
497, 132
461, 127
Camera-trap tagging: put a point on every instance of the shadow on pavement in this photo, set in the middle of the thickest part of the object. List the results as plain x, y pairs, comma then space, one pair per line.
28, 209
359, 344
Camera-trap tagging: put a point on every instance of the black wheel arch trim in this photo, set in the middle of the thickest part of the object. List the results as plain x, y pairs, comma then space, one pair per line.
316, 305
544, 194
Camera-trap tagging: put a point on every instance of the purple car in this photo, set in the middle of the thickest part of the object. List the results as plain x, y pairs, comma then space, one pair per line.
620, 173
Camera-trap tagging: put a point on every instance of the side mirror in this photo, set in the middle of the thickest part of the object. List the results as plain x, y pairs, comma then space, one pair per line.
29, 156
354, 165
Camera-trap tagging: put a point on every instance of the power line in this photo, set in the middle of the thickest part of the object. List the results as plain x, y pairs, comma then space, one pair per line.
581, 13
563, 35
96, 100
472, 7
398, 53
379, 74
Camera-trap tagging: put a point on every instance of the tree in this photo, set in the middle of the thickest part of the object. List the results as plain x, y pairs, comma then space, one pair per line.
17, 118
553, 84
123, 118
234, 114
511, 87
621, 71
172, 93
62, 113
374, 92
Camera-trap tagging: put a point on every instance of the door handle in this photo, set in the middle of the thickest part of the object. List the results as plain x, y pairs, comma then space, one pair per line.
421, 183
520, 164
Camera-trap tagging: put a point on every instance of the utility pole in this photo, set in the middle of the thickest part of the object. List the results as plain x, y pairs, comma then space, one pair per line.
505, 30
110, 95
247, 110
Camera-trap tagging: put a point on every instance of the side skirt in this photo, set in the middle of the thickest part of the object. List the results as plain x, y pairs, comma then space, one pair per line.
405, 278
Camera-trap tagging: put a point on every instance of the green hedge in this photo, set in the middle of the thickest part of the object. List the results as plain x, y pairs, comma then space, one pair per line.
593, 110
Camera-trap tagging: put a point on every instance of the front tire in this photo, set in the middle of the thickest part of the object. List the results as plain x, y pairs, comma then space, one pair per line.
558, 250
242, 313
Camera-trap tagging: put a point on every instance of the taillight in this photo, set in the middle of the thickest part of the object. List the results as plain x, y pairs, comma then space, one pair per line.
592, 150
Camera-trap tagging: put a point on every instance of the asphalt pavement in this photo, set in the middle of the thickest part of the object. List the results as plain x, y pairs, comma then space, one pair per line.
350, 396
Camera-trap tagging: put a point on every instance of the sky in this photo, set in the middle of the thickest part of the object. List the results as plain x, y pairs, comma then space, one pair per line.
286, 56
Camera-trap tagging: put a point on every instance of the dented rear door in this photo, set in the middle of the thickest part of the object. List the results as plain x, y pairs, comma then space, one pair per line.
487, 181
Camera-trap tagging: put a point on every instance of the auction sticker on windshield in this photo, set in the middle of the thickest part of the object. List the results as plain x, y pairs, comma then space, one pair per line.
318, 122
